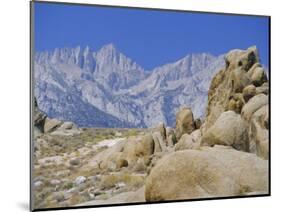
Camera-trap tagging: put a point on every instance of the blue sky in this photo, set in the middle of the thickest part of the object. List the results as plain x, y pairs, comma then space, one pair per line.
149, 37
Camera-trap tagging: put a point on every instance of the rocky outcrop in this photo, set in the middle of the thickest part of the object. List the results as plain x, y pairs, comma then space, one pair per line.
264, 88
66, 126
171, 139
136, 152
226, 154
253, 105
197, 123
39, 120
159, 144
248, 92
125, 153
187, 142
161, 129
108, 158
258, 133
210, 172
228, 90
51, 125
184, 122
44, 124
241, 87
230, 130
146, 146
255, 113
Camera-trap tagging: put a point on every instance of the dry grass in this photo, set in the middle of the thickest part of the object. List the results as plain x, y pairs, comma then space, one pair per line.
75, 199
67, 147
110, 181
132, 132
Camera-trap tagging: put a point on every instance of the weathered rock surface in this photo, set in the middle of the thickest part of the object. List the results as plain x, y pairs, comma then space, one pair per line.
197, 135
159, 144
51, 124
248, 92
210, 172
264, 88
197, 123
103, 159
39, 120
253, 105
146, 146
125, 153
258, 133
187, 142
241, 87
161, 129
121, 162
67, 126
133, 149
257, 75
230, 130
79, 180
171, 139
242, 69
184, 122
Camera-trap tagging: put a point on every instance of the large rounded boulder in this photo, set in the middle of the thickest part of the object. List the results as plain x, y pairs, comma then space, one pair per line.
248, 92
210, 172
137, 147
253, 105
51, 124
184, 122
258, 133
145, 147
187, 142
229, 130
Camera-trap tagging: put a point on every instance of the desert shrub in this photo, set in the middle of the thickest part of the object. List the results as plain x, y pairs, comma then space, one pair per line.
111, 132
68, 185
40, 196
244, 189
132, 132
75, 199
59, 196
99, 137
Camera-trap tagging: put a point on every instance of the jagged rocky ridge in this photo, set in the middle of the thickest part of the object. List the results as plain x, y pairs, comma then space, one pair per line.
107, 89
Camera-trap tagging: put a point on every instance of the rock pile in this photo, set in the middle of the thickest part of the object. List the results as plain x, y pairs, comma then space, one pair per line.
44, 124
225, 155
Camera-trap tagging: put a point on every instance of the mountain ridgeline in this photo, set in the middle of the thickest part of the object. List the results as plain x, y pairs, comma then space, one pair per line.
105, 88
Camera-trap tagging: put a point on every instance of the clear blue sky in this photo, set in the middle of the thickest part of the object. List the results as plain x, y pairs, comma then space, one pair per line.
149, 37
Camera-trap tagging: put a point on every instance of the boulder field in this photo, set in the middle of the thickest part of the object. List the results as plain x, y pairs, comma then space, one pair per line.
225, 154
228, 154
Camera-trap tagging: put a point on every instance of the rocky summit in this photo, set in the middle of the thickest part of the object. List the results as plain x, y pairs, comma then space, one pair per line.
105, 88
226, 154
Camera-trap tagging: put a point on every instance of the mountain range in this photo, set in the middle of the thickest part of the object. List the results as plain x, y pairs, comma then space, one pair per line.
105, 88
